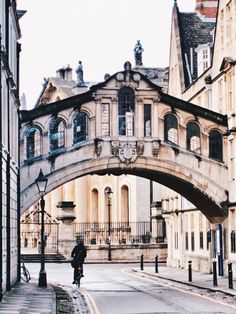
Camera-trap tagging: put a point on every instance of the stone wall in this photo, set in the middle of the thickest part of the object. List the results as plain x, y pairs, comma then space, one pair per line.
122, 252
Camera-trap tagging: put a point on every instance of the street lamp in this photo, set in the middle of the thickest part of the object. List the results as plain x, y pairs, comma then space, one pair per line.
41, 183
109, 193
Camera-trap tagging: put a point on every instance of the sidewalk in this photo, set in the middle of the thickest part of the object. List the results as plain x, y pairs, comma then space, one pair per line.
199, 280
28, 298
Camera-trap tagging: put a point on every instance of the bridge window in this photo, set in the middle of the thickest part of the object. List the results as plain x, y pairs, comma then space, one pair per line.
171, 129
80, 126
105, 115
201, 238
57, 134
33, 142
126, 111
147, 121
193, 137
215, 145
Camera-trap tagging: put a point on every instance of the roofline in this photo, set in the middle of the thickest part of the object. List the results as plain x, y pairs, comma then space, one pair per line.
198, 111
93, 88
54, 107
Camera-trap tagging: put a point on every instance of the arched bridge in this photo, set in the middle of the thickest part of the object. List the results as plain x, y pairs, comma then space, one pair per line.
127, 125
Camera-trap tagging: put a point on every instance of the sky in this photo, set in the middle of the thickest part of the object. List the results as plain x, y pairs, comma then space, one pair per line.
100, 33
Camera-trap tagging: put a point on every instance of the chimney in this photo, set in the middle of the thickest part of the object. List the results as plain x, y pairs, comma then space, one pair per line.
68, 73
207, 9
61, 73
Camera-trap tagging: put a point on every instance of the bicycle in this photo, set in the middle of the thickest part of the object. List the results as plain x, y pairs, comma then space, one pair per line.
79, 276
24, 273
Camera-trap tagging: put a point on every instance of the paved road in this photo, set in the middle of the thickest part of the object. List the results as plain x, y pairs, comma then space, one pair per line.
115, 291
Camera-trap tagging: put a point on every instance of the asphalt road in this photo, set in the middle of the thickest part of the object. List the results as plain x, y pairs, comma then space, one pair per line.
115, 290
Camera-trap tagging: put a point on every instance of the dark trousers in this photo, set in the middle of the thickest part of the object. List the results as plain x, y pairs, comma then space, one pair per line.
76, 270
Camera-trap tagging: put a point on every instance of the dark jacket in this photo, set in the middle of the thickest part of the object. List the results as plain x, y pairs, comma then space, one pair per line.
79, 253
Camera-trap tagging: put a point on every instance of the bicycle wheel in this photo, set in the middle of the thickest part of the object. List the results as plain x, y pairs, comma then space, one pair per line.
25, 275
77, 282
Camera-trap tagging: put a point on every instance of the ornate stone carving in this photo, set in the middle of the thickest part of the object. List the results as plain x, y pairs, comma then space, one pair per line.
127, 152
98, 146
156, 145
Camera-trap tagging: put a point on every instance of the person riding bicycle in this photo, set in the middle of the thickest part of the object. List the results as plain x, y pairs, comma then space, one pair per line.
78, 253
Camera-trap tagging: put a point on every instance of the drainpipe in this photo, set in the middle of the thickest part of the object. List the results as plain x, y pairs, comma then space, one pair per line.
1, 164
18, 175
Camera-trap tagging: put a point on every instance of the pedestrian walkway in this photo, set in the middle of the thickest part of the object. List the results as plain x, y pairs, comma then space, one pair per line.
28, 298
199, 280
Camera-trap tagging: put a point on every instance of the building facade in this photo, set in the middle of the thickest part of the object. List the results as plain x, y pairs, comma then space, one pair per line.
9, 148
202, 71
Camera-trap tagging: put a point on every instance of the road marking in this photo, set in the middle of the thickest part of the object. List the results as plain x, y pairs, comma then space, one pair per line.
92, 305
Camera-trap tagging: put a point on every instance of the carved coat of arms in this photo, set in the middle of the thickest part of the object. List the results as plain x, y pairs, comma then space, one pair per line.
127, 152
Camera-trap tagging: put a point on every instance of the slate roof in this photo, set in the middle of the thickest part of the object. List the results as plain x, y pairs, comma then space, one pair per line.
193, 32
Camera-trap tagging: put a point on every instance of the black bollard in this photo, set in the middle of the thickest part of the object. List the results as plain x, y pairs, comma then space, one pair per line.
230, 275
190, 271
214, 273
156, 264
141, 262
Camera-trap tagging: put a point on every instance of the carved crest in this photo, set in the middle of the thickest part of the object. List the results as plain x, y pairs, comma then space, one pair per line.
127, 152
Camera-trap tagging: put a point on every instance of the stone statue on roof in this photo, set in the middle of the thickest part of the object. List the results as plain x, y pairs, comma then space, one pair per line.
138, 49
80, 74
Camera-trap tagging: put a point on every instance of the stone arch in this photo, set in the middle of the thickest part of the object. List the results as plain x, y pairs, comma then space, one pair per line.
204, 190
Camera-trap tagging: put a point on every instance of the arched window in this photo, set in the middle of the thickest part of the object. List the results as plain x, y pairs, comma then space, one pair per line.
193, 137
215, 145
171, 129
126, 111
57, 134
125, 204
80, 127
94, 208
33, 142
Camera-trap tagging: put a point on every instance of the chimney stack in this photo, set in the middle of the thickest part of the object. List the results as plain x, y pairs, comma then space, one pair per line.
207, 9
65, 73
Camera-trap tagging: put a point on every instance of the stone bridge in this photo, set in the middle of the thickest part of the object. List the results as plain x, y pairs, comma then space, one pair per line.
127, 125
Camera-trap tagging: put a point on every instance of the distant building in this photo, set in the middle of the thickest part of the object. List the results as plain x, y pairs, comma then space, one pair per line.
9, 148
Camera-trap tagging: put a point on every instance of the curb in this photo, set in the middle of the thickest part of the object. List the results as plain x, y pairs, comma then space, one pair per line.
186, 283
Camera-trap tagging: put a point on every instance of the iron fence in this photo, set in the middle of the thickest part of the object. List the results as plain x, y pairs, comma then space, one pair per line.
121, 233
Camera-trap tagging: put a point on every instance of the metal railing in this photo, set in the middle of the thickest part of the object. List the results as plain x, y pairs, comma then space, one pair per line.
121, 233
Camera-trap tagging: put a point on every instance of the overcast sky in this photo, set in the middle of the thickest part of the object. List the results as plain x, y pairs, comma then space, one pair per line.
101, 33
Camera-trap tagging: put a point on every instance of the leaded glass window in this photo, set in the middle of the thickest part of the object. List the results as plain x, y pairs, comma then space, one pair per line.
215, 145
80, 127
126, 111
57, 134
33, 142
171, 128
193, 137
147, 121
105, 117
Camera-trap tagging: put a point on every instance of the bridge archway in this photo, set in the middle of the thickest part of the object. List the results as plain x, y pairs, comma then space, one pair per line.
174, 155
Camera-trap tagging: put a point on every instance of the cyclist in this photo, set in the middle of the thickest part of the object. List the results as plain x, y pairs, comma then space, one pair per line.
78, 253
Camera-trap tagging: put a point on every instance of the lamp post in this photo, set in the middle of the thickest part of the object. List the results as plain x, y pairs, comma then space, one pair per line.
41, 183
109, 193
